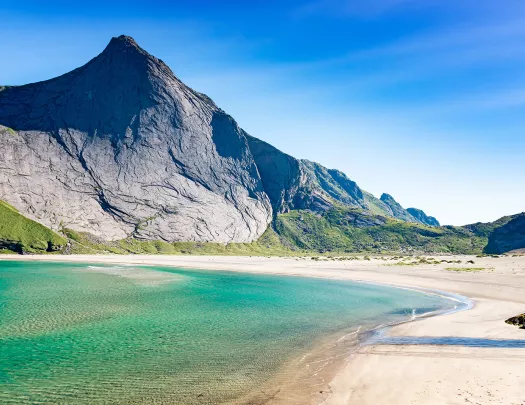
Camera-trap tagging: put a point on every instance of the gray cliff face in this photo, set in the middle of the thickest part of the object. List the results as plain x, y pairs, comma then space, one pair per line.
397, 210
280, 174
120, 147
422, 217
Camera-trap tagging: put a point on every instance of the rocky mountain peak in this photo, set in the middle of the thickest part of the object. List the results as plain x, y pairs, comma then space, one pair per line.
397, 210
124, 41
386, 197
422, 217
124, 44
123, 53
133, 152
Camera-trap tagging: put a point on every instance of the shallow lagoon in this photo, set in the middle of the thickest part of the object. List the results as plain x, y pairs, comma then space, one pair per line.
79, 333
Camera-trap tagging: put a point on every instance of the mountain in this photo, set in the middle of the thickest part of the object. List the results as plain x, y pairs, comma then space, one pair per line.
423, 218
121, 148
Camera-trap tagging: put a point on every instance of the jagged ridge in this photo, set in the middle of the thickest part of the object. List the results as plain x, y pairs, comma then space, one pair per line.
423, 218
293, 184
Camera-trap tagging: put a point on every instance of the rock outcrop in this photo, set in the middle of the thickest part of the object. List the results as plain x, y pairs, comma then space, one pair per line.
120, 147
422, 217
508, 237
397, 210
517, 320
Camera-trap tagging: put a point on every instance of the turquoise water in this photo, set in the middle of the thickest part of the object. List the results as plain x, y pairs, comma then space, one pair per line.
80, 334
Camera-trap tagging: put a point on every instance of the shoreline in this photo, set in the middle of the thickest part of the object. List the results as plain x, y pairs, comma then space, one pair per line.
327, 349
371, 373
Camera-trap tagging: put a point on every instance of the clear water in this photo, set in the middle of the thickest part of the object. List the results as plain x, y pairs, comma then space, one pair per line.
80, 334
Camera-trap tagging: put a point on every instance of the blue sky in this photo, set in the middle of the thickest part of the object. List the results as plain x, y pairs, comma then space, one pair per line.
422, 99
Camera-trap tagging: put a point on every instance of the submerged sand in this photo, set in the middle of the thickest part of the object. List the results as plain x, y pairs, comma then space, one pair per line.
387, 374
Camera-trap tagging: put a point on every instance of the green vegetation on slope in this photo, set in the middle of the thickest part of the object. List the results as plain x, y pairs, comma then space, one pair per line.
268, 244
507, 237
339, 230
375, 205
7, 130
350, 230
22, 235
333, 183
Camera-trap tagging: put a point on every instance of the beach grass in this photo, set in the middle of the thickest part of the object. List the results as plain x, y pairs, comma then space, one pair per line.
467, 269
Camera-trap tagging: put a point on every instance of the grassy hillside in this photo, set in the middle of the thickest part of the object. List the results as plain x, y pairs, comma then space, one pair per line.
349, 231
22, 235
268, 244
508, 236
338, 230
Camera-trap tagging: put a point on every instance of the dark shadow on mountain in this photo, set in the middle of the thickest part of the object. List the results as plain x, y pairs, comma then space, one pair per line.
508, 237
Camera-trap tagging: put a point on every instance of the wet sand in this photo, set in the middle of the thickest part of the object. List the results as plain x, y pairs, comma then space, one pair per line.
395, 374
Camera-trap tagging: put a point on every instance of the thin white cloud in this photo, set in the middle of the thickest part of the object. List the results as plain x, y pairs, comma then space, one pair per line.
346, 8
453, 38
375, 8
470, 103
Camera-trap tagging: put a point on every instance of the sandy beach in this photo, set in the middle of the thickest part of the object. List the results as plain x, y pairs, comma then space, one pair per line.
402, 374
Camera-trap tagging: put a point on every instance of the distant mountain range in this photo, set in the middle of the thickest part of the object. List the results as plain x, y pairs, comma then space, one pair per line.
121, 149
